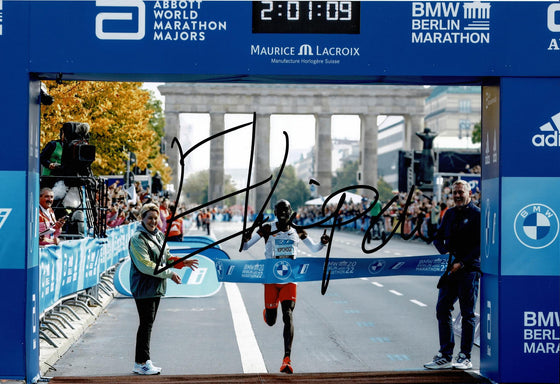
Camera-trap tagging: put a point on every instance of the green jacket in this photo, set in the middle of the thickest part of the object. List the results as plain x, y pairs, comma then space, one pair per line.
144, 248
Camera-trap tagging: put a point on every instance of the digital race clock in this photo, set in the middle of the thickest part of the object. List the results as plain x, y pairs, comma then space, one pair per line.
306, 17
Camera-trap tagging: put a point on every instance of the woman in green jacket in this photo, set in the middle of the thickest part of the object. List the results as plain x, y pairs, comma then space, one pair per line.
147, 287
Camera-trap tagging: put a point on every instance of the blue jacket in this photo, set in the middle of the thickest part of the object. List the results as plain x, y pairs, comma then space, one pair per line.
459, 235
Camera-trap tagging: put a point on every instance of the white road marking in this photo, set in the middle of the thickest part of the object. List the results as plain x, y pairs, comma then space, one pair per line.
419, 303
251, 356
377, 284
395, 292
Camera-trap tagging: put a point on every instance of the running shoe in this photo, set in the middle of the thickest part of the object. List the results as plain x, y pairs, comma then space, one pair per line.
146, 369
462, 362
287, 366
439, 362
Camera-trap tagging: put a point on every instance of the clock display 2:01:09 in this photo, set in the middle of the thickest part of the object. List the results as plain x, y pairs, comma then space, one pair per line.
306, 17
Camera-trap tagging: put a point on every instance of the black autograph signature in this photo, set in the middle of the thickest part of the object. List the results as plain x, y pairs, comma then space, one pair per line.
261, 219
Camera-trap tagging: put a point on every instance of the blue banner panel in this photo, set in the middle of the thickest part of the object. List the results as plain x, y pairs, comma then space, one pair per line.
12, 323
272, 271
489, 327
530, 329
531, 113
13, 216
33, 370
530, 226
490, 226
234, 39
202, 282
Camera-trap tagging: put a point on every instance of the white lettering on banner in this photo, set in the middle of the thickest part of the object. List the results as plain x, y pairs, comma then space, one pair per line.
541, 319
435, 24
4, 213
427, 9
197, 276
541, 348
181, 4
553, 46
122, 16
174, 18
450, 38
552, 25
543, 328
183, 36
469, 27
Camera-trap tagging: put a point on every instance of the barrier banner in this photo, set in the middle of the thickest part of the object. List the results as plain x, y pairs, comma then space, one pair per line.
76, 265
274, 271
202, 282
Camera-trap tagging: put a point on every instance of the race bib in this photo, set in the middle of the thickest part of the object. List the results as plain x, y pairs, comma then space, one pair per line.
284, 248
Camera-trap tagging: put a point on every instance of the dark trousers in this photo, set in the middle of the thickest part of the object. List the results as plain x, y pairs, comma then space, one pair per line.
147, 310
462, 286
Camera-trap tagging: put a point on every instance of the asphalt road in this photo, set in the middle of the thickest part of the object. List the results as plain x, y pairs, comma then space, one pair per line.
369, 324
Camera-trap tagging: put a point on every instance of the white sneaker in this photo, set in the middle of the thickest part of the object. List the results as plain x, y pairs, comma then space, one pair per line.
439, 362
151, 364
462, 362
146, 369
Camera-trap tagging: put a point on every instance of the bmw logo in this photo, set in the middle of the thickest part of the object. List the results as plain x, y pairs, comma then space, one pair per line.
376, 266
282, 269
536, 226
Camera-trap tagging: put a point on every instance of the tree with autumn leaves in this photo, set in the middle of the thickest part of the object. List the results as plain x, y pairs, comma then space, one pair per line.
123, 118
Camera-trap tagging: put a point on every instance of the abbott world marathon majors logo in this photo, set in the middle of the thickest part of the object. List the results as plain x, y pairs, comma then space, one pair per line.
174, 20
536, 226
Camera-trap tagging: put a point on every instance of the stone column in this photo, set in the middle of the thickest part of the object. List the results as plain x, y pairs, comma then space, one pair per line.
368, 153
172, 130
323, 153
413, 124
262, 162
216, 171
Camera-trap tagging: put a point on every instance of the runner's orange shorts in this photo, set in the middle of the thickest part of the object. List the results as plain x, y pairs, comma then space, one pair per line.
276, 293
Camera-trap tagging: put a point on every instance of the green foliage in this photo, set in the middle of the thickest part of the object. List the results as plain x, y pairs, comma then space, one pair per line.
119, 114
290, 188
476, 133
345, 176
195, 188
385, 190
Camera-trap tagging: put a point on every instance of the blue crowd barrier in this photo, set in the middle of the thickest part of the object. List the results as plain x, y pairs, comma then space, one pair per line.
76, 265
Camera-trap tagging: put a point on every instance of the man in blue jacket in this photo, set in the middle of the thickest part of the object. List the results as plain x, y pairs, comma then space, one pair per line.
459, 236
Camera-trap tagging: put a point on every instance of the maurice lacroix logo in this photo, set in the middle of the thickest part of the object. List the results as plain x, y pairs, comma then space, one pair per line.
304, 53
548, 136
536, 226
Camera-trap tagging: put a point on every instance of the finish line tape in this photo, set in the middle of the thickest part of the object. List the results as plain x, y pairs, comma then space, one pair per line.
274, 271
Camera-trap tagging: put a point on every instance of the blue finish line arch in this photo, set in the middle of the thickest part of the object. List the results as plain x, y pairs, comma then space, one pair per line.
370, 42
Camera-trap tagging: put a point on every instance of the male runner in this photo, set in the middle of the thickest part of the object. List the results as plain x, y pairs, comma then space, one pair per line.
281, 241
